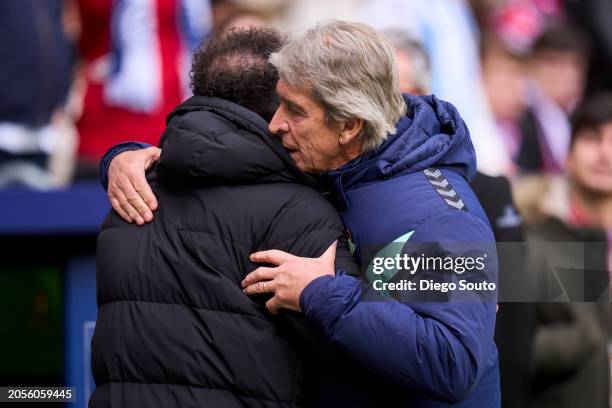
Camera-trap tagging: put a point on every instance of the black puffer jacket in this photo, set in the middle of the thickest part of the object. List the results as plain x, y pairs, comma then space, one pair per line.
174, 328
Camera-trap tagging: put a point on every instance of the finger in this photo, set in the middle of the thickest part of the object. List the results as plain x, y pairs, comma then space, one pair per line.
272, 305
131, 211
144, 213
260, 274
260, 288
127, 207
273, 256
132, 197
143, 189
119, 210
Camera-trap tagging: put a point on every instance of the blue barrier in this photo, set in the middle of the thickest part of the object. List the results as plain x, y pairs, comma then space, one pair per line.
80, 313
79, 209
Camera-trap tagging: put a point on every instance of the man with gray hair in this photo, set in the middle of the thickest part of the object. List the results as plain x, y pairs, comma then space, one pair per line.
397, 169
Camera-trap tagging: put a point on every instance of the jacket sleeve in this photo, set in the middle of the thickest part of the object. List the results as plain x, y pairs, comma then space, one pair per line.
110, 155
439, 349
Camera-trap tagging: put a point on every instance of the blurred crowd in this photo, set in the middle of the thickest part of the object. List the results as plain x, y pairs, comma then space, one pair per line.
83, 75
531, 78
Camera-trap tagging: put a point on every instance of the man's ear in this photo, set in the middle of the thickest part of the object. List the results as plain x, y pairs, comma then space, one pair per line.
350, 129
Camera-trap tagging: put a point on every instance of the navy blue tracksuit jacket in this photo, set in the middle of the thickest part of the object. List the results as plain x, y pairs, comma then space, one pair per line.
421, 353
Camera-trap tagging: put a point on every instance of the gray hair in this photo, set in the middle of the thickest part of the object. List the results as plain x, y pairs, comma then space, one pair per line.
421, 66
350, 69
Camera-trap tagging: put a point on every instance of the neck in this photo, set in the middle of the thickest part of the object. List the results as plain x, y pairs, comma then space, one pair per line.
346, 156
598, 205
346, 153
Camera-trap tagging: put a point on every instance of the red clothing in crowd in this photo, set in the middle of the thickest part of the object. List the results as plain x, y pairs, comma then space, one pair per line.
101, 125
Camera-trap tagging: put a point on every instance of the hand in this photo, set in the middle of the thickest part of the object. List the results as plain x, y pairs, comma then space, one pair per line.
289, 278
128, 190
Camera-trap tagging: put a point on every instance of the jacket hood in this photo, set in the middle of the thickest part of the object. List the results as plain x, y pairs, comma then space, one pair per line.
431, 134
211, 140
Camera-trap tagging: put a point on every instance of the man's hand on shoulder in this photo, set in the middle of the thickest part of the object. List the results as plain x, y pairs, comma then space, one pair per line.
128, 189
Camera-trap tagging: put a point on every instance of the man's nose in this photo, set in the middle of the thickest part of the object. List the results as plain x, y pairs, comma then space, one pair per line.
278, 125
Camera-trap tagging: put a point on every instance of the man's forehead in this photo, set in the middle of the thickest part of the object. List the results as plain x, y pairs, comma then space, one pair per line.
601, 133
290, 93
295, 95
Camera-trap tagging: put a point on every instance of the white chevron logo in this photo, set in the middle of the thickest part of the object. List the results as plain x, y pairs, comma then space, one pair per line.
444, 188
441, 184
458, 205
449, 194
430, 173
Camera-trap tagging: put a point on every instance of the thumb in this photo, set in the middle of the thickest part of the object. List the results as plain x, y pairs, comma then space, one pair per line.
329, 256
153, 156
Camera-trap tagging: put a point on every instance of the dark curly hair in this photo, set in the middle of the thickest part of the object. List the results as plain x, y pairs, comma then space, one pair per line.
234, 66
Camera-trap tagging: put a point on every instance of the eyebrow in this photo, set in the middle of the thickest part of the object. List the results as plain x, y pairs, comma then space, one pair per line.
293, 106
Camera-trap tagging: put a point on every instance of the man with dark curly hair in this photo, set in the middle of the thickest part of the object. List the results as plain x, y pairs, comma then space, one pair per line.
174, 327
234, 68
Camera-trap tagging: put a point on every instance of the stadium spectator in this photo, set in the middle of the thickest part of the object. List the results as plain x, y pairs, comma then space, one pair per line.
569, 224
414, 67
448, 31
228, 14
594, 17
504, 79
136, 57
557, 71
35, 78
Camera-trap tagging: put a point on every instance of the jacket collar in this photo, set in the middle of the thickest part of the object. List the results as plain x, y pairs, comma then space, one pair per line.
431, 134
258, 155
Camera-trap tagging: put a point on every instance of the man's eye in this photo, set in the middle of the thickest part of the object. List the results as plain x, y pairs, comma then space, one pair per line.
295, 112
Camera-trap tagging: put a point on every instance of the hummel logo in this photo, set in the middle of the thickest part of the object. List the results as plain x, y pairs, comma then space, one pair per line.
432, 173
443, 187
